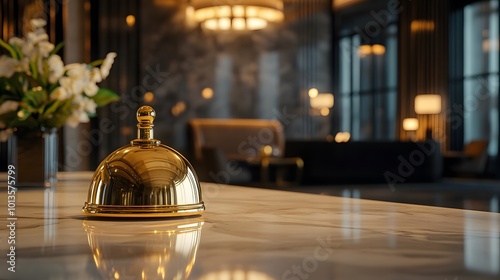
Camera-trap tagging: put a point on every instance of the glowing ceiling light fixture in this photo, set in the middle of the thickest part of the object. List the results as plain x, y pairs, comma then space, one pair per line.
237, 15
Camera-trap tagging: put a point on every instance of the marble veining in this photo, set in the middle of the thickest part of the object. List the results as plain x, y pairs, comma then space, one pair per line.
248, 234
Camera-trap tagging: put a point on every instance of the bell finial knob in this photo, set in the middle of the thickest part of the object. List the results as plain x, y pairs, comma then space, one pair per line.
145, 133
146, 115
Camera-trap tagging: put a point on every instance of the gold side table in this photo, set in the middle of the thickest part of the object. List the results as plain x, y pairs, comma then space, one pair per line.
280, 164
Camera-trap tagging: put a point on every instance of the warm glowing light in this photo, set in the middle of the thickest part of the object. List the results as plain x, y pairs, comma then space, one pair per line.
239, 24
266, 151
207, 93
339, 4
190, 20
149, 97
178, 108
313, 92
490, 45
224, 12
378, 49
224, 23
322, 100
211, 24
410, 124
96, 260
237, 274
364, 50
126, 131
245, 15
256, 23
428, 104
238, 11
324, 112
342, 137
117, 275
130, 19
422, 25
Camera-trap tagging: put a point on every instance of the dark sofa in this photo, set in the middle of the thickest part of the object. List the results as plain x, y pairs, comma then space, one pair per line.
367, 162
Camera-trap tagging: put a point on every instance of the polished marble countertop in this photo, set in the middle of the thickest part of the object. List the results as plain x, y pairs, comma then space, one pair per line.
247, 234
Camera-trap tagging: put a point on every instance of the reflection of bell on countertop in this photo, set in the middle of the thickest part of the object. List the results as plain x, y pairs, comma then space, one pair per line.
144, 179
165, 250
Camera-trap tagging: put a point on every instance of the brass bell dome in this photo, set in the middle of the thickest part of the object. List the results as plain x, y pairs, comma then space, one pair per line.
144, 179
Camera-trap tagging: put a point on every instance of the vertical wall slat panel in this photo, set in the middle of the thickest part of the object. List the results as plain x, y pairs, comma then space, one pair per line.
424, 64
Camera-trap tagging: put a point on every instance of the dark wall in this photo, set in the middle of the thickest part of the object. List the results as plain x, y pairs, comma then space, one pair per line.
258, 74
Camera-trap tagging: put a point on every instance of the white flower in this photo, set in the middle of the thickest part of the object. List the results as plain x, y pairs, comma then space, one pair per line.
8, 106
91, 89
35, 67
85, 104
78, 78
38, 23
4, 134
95, 75
37, 37
56, 68
45, 48
8, 66
107, 63
76, 118
78, 71
65, 82
71, 66
28, 49
59, 94
89, 105
83, 107
16, 41
23, 65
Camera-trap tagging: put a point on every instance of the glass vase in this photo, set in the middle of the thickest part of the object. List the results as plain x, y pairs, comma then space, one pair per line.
34, 154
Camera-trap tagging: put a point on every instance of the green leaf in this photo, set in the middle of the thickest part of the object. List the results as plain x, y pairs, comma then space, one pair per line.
57, 48
105, 96
45, 79
6, 92
24, 114
35, 99
8, 48
51, 108
63, 111
8, 118
19, 53
96, 63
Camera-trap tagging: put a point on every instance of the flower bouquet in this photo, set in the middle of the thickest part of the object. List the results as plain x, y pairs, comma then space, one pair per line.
38, 95
38, 91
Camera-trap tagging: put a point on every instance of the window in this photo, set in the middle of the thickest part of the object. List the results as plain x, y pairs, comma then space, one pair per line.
367, 99
481, 73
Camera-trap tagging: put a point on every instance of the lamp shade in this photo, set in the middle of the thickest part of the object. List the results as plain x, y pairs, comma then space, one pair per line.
322, 100
410, 124
342, 137
428, 104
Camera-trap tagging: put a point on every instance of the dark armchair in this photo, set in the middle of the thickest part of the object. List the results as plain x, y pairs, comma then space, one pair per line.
222, 149
471, 161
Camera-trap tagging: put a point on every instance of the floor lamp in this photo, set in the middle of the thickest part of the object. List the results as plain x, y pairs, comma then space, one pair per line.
428, 104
